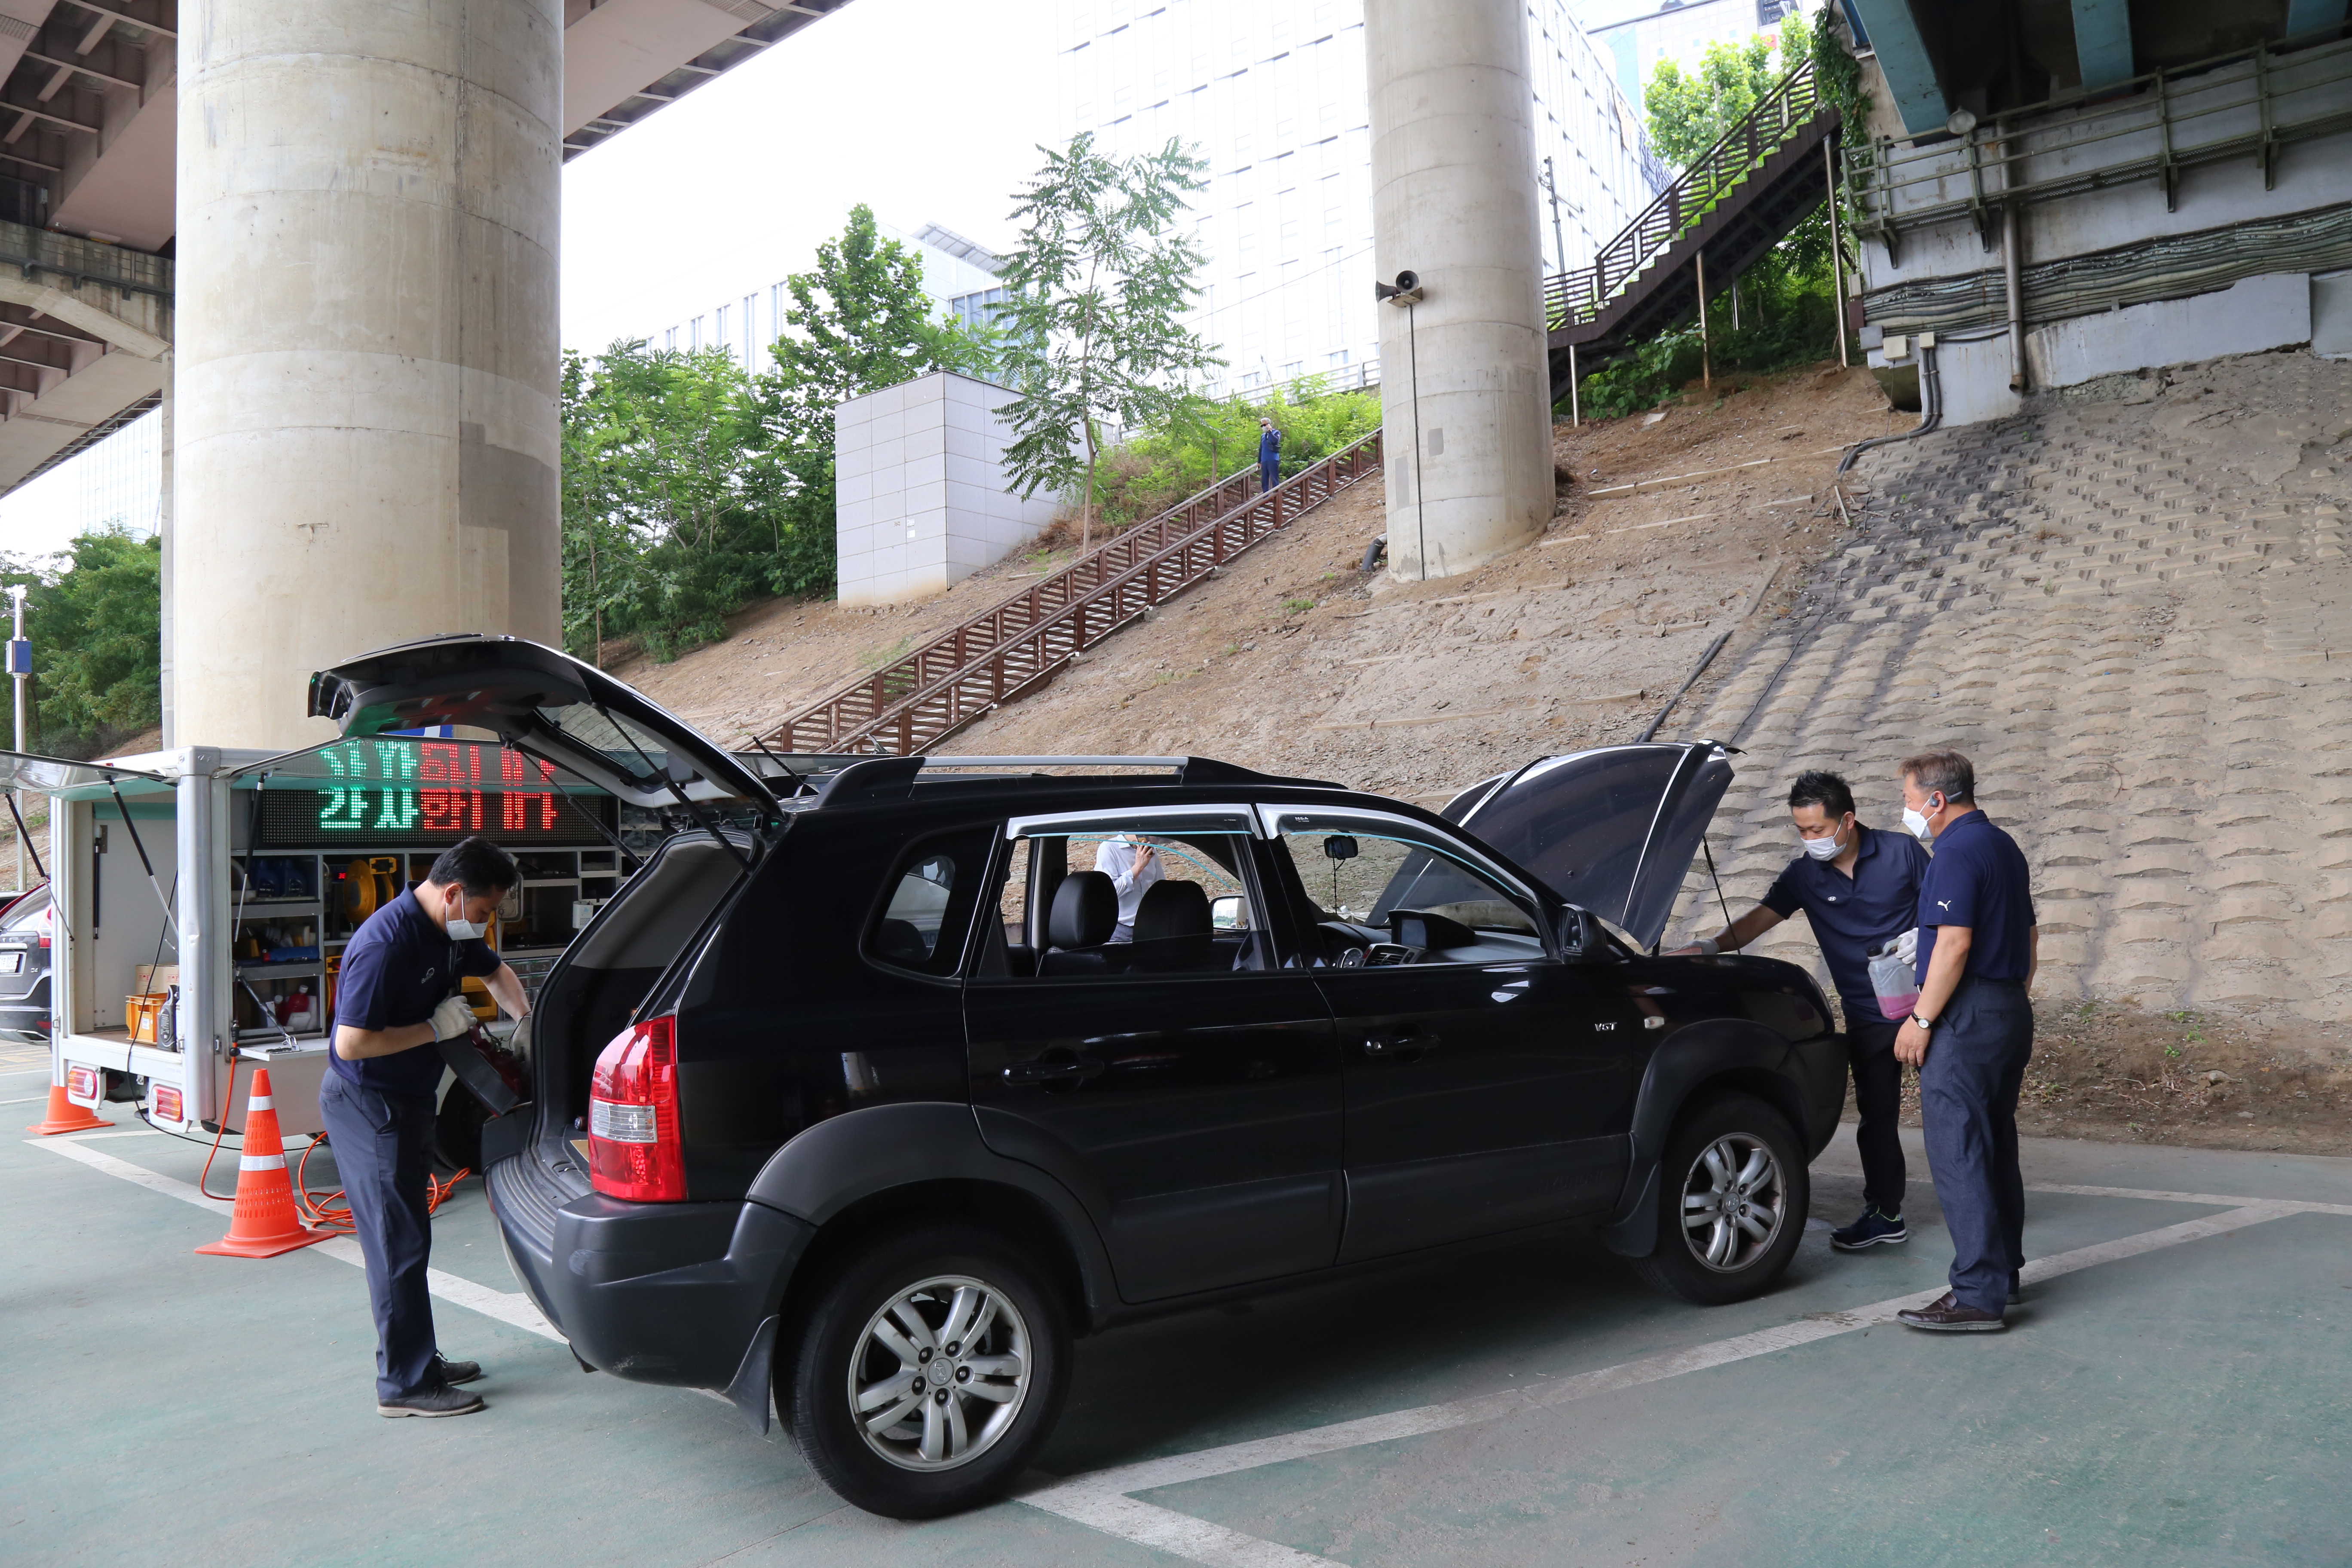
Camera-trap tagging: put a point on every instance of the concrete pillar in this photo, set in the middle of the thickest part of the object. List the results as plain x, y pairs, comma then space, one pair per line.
367, 367
1465, 390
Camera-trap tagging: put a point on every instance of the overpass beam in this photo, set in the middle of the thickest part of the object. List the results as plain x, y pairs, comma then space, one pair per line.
366, 371
2103, 42
1903, 61
1467, 402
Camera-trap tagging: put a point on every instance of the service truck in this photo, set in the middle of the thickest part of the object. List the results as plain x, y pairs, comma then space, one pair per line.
203, 895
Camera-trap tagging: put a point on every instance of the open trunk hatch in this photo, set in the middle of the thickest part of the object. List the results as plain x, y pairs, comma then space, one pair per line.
1612, 830
544, 701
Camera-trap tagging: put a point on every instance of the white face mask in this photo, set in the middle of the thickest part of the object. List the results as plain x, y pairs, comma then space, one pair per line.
460, 929
1918, 823
1825, 847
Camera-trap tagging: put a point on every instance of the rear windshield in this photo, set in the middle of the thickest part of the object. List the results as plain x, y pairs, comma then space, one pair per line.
30, 914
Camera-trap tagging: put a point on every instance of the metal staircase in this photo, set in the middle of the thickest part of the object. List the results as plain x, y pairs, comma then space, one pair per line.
1021, 643
1732, 203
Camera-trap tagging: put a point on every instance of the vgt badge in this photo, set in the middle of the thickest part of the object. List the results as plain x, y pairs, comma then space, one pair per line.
1604, 1028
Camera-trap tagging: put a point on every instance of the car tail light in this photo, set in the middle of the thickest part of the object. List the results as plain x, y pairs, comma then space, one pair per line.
633, 1150
164, 1103
82, 1083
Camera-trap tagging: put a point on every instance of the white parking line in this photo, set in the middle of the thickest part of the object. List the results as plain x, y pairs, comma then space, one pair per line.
511, 1307
1104, 1500
507, 1307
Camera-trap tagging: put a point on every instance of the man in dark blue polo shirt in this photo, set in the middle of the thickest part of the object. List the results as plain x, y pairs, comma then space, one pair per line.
396, 996
1971, 1035
1859, 888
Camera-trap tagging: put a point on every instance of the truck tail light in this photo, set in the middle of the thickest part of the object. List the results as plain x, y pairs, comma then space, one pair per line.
634, 1149
82, 1083
164, 1103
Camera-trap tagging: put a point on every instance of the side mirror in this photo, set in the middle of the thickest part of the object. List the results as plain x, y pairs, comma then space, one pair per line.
1579, 936
1226, 914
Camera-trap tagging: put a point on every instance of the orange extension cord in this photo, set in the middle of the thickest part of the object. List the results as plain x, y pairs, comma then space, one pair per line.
319, 1209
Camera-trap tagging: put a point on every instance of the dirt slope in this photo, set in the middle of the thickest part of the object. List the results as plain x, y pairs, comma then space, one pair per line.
1296, 661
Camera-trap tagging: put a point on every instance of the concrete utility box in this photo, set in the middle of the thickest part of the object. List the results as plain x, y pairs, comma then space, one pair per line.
921, 496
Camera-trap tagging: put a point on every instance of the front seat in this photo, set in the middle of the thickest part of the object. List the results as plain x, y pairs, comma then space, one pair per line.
1173, 928
1084, 916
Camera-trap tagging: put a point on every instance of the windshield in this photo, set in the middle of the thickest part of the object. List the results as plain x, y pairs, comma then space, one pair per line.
636, 752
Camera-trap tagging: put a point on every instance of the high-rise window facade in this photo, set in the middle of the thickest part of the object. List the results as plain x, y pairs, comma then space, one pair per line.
1272, 92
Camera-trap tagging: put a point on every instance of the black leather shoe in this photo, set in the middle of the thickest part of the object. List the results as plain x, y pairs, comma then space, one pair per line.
441, 1401
454, 1373
1946, 1316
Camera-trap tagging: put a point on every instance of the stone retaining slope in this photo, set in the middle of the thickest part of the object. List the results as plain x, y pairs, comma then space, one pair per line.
2131, 608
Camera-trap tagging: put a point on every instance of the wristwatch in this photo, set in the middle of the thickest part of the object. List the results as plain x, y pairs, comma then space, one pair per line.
1925, 1024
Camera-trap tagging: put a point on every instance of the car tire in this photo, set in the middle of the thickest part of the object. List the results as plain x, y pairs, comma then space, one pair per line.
1733, 1194
983, 1406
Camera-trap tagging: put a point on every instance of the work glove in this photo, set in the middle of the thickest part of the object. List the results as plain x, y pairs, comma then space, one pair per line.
1906, 946
451, 1019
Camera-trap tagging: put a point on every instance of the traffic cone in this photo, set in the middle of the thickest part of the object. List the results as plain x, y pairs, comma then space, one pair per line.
263, 1223
65, 1116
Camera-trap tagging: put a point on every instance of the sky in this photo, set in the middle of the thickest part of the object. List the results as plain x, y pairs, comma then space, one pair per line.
928, 110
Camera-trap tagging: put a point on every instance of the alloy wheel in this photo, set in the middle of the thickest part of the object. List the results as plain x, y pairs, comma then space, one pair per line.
1735, 1201
939, 1374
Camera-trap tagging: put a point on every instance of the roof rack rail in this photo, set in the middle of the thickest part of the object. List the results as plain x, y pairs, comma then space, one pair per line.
874, 778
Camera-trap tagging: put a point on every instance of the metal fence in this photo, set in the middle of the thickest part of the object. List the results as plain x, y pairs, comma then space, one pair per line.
1020, 643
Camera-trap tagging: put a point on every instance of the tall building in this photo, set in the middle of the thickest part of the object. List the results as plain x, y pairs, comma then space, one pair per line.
1273, 94
959, 276
114, 483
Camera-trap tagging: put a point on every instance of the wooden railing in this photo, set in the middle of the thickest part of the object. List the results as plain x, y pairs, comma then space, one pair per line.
1574, 298
1019, 644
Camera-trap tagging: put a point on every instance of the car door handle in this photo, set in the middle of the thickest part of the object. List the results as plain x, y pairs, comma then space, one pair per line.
1066, 1069
1401, 1042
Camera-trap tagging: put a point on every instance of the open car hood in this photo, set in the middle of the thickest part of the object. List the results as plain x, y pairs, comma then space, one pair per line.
1612, 830
545, 701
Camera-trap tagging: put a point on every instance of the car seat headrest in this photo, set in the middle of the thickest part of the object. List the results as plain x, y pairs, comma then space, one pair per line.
1171, 909
1085, 912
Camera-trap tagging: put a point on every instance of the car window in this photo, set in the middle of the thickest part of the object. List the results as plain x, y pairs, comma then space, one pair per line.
32, 913
1126, 900
932, 891
1369, 879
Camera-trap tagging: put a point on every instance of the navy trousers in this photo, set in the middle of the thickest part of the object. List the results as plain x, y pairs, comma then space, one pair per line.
1968, 1102
1878, 1098
383, 1146
1269, 474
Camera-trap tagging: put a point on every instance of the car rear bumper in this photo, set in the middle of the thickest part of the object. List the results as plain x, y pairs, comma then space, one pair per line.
668, 1294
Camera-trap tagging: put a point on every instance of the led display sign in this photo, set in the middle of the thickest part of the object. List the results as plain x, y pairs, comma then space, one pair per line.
404, 792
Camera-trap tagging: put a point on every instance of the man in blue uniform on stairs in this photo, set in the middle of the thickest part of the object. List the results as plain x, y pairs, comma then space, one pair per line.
396, 996
1269, 456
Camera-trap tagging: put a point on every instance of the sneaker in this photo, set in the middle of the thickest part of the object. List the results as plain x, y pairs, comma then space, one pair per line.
441, 1401
454, 1373
1946, 1316
1872, 1228
2016, 1288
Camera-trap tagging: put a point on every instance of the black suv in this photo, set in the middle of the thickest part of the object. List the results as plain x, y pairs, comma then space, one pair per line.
871, 1088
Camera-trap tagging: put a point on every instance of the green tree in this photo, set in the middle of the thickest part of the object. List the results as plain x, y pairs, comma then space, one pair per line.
1091, 329
95, 622
858, 322
1689, 114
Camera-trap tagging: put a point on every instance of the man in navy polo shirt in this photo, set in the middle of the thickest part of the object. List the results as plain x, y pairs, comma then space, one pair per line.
1971, 1035
1859, 888
394, 998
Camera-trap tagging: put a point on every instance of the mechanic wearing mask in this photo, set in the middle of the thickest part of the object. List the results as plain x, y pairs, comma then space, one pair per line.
1971, 1035
1133, 867
1859, 888
393, 1000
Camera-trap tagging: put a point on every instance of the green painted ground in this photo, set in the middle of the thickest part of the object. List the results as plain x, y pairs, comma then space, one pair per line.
2184, 1406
